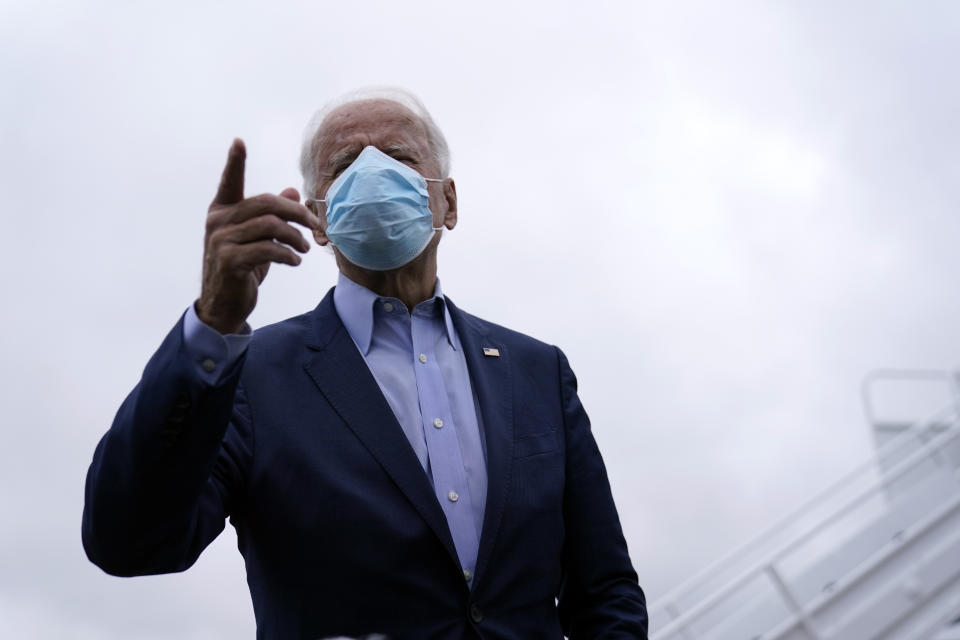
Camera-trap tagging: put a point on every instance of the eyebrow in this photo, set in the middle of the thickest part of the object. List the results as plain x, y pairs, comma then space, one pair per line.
400, 148
340, 157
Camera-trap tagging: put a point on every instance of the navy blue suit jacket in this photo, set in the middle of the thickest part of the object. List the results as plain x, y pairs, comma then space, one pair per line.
337, 522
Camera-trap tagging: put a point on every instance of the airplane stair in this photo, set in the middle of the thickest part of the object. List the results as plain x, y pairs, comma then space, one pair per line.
876, 556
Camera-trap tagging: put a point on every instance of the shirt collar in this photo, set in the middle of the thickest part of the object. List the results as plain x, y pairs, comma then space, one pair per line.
354, 304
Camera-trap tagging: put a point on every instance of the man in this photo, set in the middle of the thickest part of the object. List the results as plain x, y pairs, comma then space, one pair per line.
391, 463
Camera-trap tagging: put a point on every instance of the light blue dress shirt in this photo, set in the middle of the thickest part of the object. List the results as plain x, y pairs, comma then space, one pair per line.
418, 362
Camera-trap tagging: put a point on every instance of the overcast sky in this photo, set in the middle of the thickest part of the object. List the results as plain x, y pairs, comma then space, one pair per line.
725, 214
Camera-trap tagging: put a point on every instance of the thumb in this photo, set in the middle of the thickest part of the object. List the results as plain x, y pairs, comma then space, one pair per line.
231, 182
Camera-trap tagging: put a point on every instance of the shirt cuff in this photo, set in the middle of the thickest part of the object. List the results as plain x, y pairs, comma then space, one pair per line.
212, 352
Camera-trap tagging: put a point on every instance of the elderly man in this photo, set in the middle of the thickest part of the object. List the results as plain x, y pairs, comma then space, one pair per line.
391, 463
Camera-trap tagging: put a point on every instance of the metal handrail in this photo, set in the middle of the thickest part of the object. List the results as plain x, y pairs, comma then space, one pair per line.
669, 602
770, 559
859, 573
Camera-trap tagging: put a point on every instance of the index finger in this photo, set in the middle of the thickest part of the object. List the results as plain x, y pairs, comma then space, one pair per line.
282, 207
231, 182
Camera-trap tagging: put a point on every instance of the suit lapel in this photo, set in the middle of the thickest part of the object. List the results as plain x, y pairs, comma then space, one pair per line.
343, 377
491, 380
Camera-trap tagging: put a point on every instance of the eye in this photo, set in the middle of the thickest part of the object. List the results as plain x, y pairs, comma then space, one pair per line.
337, 163
405, 159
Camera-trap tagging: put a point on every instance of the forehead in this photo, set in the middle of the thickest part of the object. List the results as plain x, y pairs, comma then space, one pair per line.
369, 122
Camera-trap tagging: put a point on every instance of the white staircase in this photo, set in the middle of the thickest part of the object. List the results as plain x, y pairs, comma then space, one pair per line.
874, 557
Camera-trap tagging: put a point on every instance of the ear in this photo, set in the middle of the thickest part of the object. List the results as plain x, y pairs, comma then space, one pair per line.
320, 237
320, 233
450, 195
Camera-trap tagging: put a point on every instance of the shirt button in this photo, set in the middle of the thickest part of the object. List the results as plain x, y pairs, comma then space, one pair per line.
208, 365
388, 307
454, 496
423, 358
467, 575
475, 613
437, 422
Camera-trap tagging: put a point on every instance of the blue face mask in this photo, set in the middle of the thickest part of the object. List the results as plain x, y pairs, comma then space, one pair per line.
378, 212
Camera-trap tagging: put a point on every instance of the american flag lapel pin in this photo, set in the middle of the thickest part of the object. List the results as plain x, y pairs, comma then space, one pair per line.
490, 352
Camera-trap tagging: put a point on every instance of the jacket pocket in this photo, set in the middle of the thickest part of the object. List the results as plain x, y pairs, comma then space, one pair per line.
536, 443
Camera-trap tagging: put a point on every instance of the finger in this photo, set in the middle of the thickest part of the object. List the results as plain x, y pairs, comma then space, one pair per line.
291, 194
253, 254
267, 227
282, 207
231, 182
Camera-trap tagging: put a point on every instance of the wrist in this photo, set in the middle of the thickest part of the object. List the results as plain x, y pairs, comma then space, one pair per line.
224, 326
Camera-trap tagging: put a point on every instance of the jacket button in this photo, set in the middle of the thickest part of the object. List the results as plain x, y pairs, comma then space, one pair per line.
475, 613
183, 400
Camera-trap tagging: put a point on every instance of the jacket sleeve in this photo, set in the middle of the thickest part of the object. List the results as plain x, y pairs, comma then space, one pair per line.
599, 594
170, 469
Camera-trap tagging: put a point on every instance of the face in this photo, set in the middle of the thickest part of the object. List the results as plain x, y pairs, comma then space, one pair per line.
394, 130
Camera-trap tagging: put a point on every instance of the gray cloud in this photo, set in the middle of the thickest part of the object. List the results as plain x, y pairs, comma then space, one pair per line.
725, 220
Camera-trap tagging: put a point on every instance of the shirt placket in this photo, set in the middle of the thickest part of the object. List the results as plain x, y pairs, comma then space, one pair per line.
443, 447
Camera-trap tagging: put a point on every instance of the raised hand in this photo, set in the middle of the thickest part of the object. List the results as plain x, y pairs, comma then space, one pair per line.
243, 236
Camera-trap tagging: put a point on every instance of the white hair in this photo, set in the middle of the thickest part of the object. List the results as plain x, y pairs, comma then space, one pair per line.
308, 151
